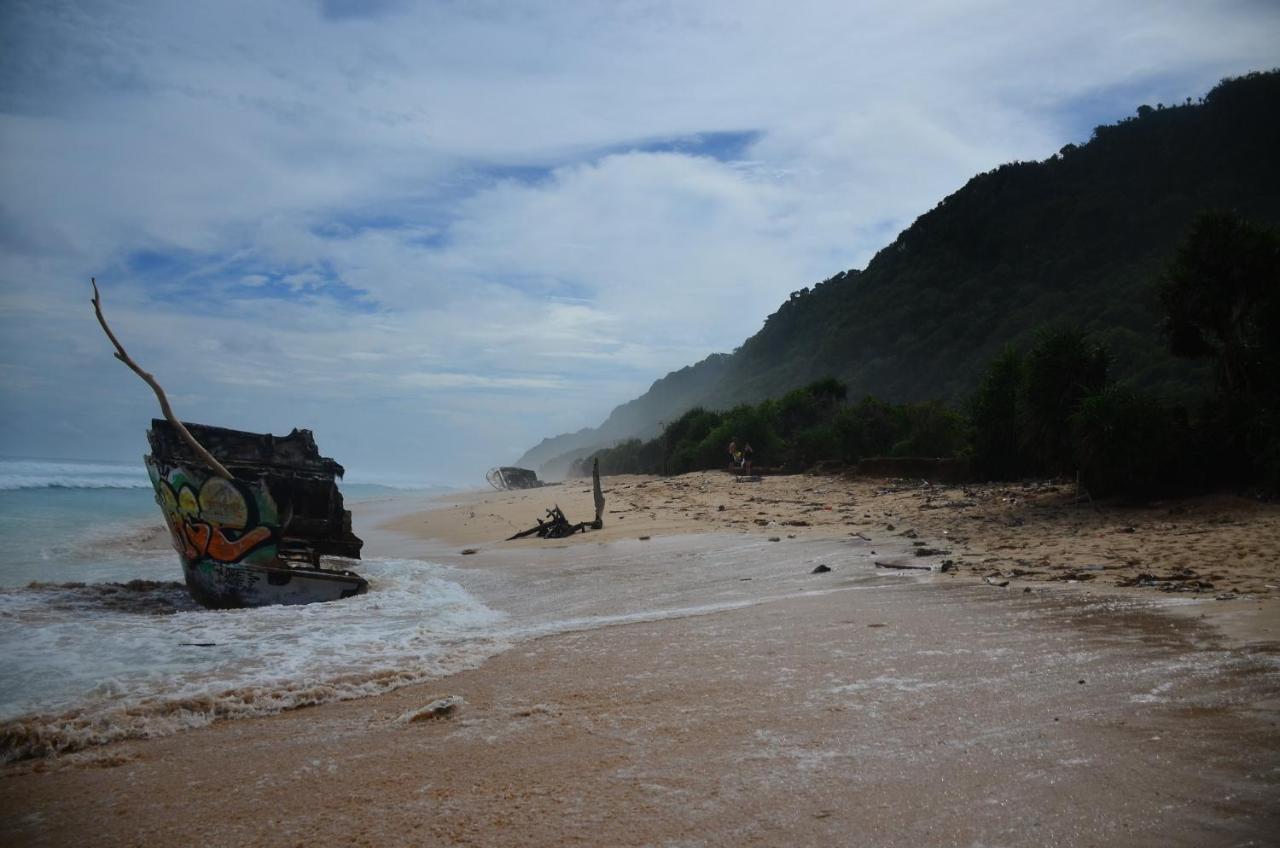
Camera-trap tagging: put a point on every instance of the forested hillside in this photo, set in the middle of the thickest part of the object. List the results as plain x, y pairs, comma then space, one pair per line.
667, 399
1078, 239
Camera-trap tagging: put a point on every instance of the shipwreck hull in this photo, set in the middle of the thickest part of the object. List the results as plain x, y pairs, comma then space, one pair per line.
260, 537
229, 586
508, 477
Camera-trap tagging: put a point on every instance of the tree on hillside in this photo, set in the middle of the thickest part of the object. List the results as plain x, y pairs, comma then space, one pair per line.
1221, 297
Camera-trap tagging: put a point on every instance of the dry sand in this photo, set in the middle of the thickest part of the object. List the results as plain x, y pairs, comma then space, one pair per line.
854, 707
1219, 544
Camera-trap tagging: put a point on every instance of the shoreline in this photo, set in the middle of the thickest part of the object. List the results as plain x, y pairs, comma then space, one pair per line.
1028, 536
1035, 531
746, 701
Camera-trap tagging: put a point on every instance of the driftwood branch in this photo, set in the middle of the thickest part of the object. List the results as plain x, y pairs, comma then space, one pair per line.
124, 357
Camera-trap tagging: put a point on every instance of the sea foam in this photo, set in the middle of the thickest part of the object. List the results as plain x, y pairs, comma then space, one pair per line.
71, 676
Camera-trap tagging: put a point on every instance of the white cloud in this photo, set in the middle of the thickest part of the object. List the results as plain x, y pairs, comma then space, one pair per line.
479, 173
445, 380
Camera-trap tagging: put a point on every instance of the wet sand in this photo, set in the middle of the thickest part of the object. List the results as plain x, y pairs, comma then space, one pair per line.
712, 690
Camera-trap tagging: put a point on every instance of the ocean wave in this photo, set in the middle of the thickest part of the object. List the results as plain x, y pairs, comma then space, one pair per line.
49, 474
10, 483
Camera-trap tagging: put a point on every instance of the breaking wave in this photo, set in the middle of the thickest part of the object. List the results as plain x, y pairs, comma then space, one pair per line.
95, 663
52, 474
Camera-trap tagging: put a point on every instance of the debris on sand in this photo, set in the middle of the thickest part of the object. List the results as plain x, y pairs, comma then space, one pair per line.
901, 565
437, 709
557, 526
1183, 580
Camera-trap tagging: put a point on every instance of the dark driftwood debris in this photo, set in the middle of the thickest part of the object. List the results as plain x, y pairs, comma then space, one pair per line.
557, 526
890, 563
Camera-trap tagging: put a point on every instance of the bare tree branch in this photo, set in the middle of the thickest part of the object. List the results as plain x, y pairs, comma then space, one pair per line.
155, 387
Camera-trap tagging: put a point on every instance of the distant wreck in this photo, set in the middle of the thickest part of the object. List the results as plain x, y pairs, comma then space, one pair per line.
253, 527
258, 537
507, 477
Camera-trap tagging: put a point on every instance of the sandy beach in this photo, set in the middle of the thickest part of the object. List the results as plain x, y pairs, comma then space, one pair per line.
1035, 532
725, 664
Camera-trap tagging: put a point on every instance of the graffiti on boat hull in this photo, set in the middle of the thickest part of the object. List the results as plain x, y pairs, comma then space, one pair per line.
213, 520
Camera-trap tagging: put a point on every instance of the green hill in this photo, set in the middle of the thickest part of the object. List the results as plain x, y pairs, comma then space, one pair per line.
1078, 238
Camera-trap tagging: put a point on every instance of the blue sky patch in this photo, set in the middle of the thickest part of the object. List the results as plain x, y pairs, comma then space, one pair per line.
185, 276
723, 146
351, 224
342, 10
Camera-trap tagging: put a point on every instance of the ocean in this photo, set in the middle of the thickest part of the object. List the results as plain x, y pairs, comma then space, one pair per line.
100, 640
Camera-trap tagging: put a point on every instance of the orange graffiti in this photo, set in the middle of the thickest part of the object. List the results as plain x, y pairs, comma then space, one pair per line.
203, 540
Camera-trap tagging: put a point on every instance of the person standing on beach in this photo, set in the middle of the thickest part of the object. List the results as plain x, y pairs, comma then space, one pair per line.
747, 453
733, 451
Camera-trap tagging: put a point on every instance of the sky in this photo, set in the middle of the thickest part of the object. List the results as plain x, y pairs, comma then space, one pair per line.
434, 233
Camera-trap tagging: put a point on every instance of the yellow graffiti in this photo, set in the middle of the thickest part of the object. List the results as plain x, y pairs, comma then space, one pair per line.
222, 504
211, 523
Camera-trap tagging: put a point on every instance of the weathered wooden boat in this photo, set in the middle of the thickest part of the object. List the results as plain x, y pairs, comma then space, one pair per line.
261, 536
508, 477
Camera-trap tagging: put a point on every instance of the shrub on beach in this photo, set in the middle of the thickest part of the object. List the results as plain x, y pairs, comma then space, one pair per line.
1021, 412
994, 413
932, 429
868, 428
1062, 368
1125, 441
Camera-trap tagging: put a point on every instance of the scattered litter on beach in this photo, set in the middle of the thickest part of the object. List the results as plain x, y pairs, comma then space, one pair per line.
437, 709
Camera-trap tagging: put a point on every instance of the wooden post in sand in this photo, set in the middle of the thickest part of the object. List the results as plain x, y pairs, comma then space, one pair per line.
599, 495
